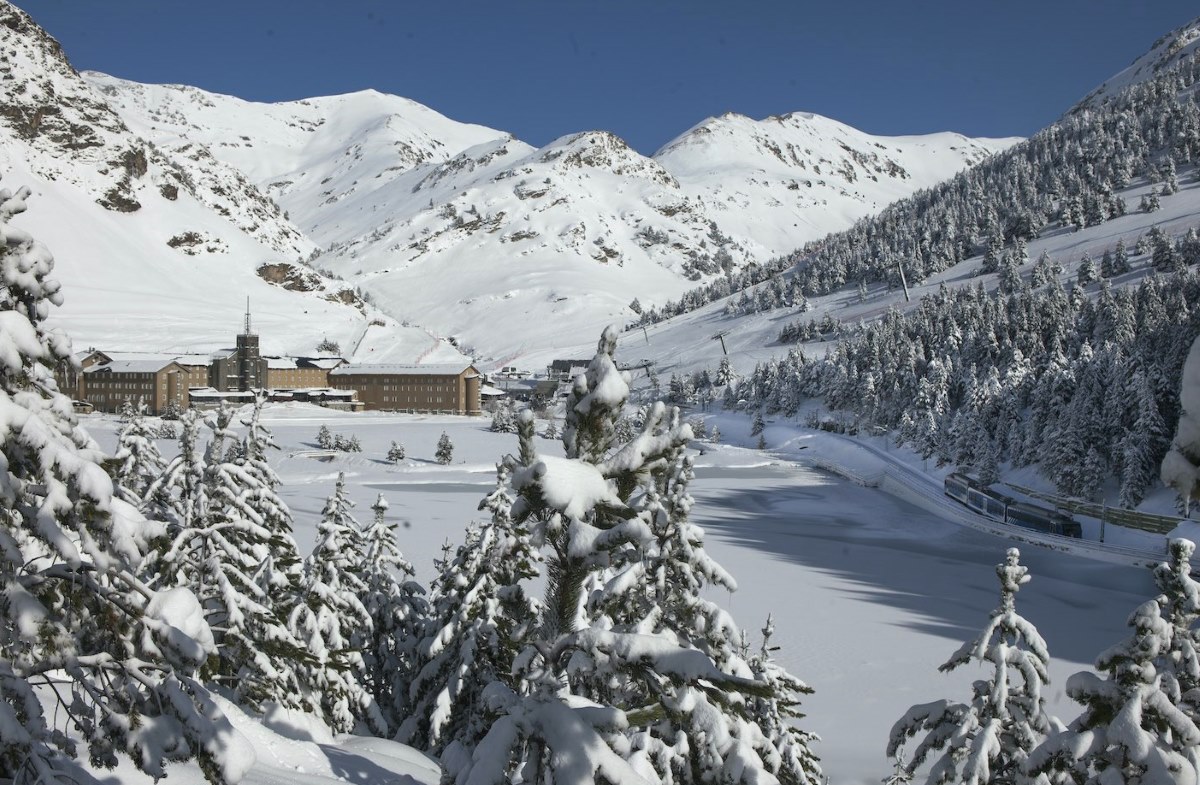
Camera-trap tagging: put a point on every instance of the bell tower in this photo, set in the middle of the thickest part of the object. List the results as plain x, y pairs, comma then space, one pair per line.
249, 358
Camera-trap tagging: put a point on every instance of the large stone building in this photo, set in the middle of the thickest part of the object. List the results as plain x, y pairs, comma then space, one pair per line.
158, 382
449, 388
107, 379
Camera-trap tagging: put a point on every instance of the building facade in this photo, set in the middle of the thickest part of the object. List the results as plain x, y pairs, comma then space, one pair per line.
300, 373
452, 389
157, 382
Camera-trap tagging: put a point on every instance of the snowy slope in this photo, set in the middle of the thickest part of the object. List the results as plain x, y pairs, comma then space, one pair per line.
1172, 49
802, 176
475, 234
155, 251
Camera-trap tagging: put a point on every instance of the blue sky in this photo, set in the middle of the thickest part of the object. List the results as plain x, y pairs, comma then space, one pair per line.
645, 70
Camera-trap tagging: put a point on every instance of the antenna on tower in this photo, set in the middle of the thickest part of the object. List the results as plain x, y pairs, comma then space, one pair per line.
247, 332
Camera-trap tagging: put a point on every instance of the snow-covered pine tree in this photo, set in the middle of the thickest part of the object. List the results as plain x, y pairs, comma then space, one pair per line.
397, 608
657, 590
219, 535
395, 453
1180, 603
988, 739
73, 609
324, 438
775, 714
1129, 731
328, 613
445, 450
479, 616
724, 372
586, 689
166, 430
757, 424
279, 573
138, 463
504, 420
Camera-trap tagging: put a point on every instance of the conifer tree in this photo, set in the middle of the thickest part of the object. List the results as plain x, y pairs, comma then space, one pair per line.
324, 438
73, 610
988, 739
222, 528
328, 614
1180, 603
1130, 730
395, 453
478, 618
445, 450
138, 463
724, 372
775, 713
587, 687
396, 606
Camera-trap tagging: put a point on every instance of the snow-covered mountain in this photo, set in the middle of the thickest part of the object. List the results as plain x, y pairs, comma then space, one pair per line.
159, 249
780, 182
478, 235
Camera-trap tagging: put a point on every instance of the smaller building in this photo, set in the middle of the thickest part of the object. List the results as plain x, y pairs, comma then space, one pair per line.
157, 382
566, 370
447, 388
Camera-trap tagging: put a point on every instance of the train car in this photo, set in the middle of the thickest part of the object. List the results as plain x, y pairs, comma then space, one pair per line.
978, 497
1030, 516
997, 506
957, 486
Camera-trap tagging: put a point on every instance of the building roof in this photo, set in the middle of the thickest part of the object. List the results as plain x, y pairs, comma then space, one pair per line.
132, 366
193, 359
328, 363
287, 362
165, 357
432, 369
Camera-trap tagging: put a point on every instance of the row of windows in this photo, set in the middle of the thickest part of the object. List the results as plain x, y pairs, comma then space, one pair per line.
407, 399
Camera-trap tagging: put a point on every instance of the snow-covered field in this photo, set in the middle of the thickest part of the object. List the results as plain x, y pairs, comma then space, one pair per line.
870, 594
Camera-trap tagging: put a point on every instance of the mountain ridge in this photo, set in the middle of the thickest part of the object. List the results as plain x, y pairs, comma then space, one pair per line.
453, 235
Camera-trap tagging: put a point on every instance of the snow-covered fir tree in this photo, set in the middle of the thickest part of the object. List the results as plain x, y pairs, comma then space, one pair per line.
724, 372
395, 453
776, 712
224, 525
396, 606
988, 739
1130, 731
504, 419
74, 611
324, 438
328, 614
445, 450
589, 687
479, 616
137, 463
1180, 603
